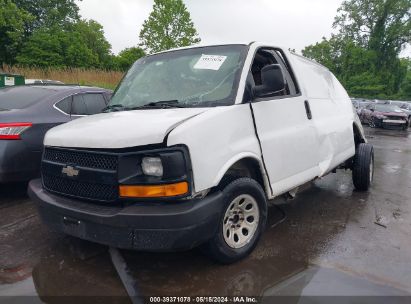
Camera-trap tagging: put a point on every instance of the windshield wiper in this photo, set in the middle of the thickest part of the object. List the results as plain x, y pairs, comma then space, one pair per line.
160, 104
113, 108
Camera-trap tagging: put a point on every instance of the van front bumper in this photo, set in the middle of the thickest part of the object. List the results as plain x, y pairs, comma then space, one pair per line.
169, 226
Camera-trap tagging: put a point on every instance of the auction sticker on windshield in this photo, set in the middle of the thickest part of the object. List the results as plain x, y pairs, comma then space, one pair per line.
210, 62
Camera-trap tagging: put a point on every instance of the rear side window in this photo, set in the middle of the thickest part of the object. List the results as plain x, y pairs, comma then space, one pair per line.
65, 105
78, 107
88, 104
109, 95
22, 97
95, 103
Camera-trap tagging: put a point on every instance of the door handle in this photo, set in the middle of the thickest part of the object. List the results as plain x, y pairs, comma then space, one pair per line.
308, 110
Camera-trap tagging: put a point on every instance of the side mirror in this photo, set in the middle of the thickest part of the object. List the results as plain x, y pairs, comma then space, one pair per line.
372, 110
273, 81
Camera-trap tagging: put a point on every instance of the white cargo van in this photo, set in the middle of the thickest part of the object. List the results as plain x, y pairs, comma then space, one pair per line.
193, 144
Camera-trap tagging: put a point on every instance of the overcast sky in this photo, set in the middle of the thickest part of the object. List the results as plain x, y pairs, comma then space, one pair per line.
289, 23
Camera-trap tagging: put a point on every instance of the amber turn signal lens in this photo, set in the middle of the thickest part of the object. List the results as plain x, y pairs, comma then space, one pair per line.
167, 190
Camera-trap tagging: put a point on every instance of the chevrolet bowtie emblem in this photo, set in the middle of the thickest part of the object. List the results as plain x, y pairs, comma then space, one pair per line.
70, 171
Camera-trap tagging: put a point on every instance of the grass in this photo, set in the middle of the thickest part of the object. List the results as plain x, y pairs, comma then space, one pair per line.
90, 77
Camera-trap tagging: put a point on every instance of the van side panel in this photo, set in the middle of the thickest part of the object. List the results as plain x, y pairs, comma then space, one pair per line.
216, 140
332, 111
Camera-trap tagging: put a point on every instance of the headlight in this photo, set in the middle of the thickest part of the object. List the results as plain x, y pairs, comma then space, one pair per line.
164, 172
152, 166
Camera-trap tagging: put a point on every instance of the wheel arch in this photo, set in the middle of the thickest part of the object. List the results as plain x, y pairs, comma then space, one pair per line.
358, 132
246, 165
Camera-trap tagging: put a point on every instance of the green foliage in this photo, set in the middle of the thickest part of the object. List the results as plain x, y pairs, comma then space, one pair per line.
405, 89
49, 13
364, 54
168, 26
380, 25
12, 21
43, 49
50, 33
128, 56
92, 34
77, 53
58, 48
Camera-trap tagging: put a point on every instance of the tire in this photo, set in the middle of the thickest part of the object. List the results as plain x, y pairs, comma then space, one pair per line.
373, 122
238, 219
363, 167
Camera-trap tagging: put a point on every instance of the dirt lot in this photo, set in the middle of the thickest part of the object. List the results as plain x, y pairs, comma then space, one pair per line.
334, 241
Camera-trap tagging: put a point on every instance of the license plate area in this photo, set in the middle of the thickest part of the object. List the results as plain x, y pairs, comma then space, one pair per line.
394, 121
73, 226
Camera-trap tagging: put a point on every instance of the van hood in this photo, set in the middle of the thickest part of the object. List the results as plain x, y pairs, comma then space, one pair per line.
119, 129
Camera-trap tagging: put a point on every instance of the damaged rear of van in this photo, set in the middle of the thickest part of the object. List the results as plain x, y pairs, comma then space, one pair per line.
194, 143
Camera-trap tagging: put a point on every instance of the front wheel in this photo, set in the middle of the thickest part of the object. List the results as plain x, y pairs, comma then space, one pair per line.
241, 223
363, 167
373, 122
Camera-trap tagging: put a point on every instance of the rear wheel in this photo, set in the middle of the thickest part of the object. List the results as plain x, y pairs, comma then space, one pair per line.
363, 167
242, 221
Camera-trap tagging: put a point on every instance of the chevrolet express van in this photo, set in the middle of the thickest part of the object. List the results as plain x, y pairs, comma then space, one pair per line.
194, 143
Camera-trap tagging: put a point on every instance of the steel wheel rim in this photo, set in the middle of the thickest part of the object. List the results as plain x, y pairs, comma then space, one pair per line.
240, 221
371, 170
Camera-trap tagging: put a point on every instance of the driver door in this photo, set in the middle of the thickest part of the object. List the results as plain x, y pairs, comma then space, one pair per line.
285, 128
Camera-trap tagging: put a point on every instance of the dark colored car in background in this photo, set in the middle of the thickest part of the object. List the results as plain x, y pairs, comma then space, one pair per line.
28, 112
379, 115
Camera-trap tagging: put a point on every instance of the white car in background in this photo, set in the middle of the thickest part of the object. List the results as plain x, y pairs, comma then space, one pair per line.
194, 143
406, 107
42, 81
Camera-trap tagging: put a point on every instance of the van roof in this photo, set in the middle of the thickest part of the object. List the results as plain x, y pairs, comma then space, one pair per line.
255, 43
200, 45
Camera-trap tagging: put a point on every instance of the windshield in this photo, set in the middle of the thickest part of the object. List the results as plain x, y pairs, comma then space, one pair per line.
201, 77
406, 106
387, 108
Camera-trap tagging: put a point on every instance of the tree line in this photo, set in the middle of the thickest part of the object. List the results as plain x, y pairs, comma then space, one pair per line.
51, 33
363, 52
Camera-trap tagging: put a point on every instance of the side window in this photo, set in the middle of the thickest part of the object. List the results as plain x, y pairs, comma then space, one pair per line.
78, 107
64, 105
289, 74
268, 56
95, 103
